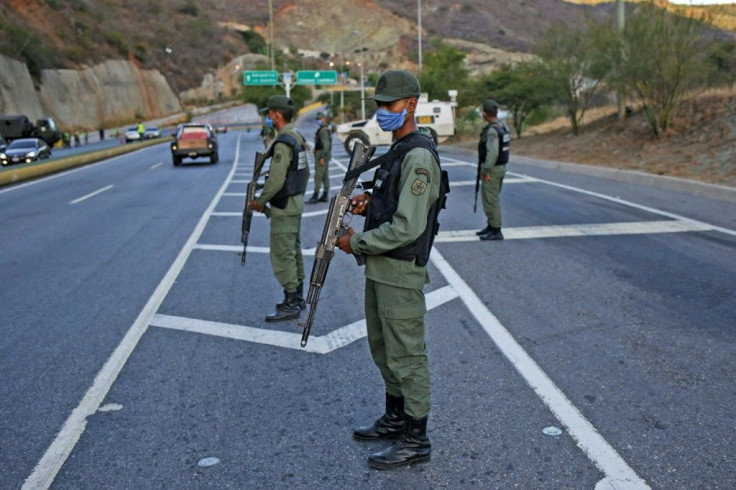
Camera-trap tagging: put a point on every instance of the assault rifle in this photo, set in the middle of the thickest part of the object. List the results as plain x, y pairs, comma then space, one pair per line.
335, 227
250, 194
477, 185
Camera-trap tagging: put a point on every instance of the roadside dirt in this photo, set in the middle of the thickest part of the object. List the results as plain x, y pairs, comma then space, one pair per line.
700, 145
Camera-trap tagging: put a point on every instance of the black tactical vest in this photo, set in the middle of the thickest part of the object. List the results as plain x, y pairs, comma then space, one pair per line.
297, 175
385, 199
317, 140
504, 138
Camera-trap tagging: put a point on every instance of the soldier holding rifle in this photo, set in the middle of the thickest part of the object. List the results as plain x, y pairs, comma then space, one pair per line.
284, 191
401, 221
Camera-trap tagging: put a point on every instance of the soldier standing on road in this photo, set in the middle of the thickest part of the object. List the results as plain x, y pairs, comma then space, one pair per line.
493, 155
322, 157
401, 219
284, 190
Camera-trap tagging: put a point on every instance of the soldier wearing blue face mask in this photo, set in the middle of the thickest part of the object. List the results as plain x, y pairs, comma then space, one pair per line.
401, 221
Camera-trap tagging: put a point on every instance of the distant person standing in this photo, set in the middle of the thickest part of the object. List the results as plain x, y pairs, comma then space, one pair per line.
102, 134
322, 157
141, 130
493, 155
86, 137
77, 140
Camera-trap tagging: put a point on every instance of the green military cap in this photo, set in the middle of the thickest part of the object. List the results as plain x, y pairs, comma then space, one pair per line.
394, 85
279, 102
490, 106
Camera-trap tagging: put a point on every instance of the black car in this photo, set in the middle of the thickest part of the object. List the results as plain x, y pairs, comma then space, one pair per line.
25, 150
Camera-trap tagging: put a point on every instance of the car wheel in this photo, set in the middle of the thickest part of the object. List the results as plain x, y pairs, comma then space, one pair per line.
352, 139
214, 158
176, 160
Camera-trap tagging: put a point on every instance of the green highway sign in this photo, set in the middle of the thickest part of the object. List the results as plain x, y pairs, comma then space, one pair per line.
261, 77
310, 77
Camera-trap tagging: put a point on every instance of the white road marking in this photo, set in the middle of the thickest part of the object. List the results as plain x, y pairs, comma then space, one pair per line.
92, 194
320, 345
626, 228
456, 163
45, 471
587, 437
239, 182
261, 215
156, 165
512, 180
307, 252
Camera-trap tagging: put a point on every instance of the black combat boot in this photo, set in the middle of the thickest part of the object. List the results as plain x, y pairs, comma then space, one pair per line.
313, 199
483, 231
493, 234
412, 447
299, 297
388, 426
323, 197
289, 309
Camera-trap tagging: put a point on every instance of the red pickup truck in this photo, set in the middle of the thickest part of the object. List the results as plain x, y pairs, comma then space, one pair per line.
194, 141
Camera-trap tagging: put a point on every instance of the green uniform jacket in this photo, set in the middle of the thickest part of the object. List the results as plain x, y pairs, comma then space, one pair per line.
325, 136
419, 187
280, 162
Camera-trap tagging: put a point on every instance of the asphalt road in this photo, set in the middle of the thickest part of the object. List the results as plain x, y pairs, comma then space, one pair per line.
133, 344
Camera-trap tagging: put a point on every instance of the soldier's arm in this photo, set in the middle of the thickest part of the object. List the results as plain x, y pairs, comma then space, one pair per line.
419, 187
326, 136
492, 144
277, 173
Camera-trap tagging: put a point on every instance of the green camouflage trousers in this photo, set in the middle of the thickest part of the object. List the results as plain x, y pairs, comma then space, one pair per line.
395, 322
286, 251
322, 175
490, 192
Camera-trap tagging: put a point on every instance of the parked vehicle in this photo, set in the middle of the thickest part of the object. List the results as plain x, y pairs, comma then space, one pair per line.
132, 134
437, 116
14, 127
152, 132
3, 144
221, 128
25, 150
194, 141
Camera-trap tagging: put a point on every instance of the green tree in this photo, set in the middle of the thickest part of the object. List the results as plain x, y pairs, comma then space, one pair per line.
523, 88
443, 69
572, 65
663, 61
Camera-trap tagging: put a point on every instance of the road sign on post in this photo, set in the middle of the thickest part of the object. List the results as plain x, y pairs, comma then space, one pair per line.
261, 77
311, 77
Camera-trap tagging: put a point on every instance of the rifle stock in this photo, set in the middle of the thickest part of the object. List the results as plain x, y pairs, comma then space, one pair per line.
477, 185
250, 195
335, 228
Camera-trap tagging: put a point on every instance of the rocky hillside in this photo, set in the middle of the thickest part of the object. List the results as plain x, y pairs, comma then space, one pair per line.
187, 39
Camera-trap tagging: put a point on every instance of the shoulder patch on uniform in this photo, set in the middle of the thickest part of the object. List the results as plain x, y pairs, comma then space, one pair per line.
277, 158
423, 171
418, 187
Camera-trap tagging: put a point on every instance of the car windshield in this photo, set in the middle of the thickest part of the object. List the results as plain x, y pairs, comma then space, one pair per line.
152, 128
22, 144
133, 129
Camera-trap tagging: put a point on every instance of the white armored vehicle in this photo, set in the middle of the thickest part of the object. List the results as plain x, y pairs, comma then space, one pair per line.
437, 116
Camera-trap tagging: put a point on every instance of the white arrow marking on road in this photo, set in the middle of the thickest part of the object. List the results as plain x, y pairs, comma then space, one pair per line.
320, 345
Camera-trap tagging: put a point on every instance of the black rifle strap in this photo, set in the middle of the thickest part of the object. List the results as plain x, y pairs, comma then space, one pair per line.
398, 152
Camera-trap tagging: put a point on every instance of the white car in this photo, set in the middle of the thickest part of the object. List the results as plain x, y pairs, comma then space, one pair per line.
152, 132
132, 134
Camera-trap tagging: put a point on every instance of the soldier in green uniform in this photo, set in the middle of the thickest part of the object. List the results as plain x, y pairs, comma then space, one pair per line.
401, 217
322, 156
493, 155
284, 191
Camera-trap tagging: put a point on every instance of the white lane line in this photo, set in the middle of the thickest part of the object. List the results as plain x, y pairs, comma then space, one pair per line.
637, 206
307, 252
626, 228
321, 345
156, 165
587, 437
261, 215
45, 471
456, 163
512, 180
92, 194
239, 181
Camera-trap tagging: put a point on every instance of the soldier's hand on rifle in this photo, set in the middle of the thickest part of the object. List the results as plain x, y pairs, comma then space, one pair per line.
486, 177
343, 243
359, 203
255, 206
321, 160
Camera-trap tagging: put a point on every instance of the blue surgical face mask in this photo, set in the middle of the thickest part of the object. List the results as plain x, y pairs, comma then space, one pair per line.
390, 121
269, 122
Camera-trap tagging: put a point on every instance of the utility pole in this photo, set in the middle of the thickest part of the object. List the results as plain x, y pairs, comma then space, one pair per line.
419, 22
620, 19
270, 32
362, 82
